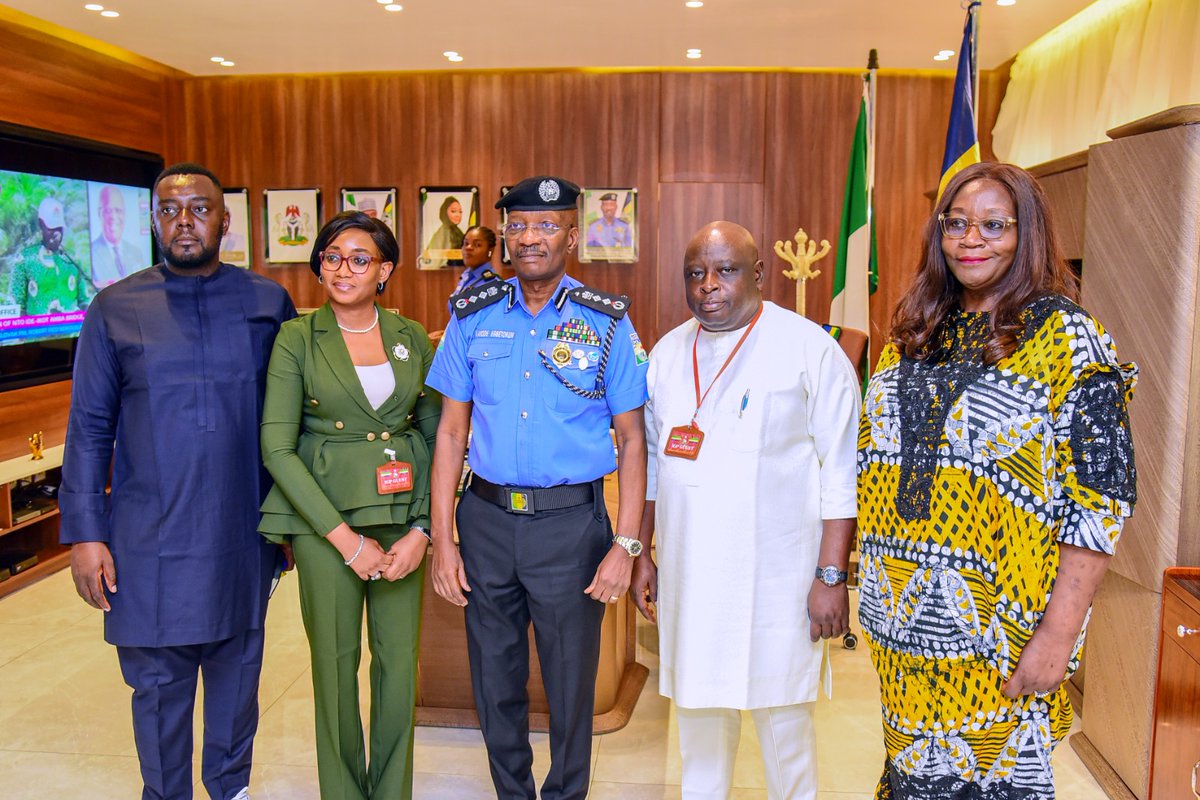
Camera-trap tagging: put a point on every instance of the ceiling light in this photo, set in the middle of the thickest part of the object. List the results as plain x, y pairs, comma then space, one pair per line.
1006, 2
94, 7
941, 58
383, 2
393, 7
217, 59
693, 53
226, 63
694, 4
945, 52
450, 53
455, 58
110, 13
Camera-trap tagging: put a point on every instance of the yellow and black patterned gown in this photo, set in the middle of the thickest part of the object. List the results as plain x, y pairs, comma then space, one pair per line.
969, 476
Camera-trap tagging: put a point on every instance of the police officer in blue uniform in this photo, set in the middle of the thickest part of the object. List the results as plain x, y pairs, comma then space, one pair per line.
539, 367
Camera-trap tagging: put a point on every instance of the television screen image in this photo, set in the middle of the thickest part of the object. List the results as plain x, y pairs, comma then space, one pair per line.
120, 230
61, 241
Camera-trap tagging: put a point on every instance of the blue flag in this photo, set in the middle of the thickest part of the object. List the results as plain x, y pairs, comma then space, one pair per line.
962, 141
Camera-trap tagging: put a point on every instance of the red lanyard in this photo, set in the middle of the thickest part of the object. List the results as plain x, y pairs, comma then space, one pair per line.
696, 364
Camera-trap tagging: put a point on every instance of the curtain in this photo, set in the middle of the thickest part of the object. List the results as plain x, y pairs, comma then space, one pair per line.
1114, 62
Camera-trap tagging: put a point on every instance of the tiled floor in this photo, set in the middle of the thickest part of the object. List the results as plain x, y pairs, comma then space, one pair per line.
65, 730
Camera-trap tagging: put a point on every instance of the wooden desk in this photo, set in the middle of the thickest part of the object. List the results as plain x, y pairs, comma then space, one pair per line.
1175, 755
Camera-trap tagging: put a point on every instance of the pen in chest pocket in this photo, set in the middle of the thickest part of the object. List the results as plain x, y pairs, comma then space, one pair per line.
745, 402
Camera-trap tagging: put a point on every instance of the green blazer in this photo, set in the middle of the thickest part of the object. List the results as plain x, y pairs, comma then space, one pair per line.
322, 441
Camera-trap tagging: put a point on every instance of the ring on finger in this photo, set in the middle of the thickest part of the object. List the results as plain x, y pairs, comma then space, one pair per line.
377, 576
614, 598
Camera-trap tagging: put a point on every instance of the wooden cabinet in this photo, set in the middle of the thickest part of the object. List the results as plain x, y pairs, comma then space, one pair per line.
1175, 762
29, 547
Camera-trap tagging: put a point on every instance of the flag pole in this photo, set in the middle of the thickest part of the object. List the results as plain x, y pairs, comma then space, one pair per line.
973, 10
871, 76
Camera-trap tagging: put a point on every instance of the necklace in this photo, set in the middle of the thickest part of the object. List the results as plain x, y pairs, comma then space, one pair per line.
367, 329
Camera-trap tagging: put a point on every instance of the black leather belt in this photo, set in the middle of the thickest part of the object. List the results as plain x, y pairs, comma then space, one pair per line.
528, 500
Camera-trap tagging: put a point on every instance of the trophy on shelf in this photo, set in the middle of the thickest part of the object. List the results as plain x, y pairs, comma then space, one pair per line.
36, 446
801, 256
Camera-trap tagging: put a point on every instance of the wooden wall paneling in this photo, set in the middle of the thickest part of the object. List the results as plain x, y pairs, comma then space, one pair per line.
683, 209
1120, 655
712, 126
25, 411
49, 83
1065, 184
810, 119
910, 132
1141, 260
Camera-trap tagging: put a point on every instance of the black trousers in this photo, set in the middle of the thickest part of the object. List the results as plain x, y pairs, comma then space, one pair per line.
534, 567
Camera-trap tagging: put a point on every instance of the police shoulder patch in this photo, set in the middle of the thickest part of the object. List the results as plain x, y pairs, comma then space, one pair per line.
615, 305
468, 301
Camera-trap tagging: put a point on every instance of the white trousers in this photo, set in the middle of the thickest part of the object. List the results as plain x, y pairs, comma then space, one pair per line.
708, 742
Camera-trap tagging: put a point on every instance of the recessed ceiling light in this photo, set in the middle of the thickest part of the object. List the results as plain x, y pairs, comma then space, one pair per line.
110, 13
383, 2
454, 58
693, 53
393, 7
940, 57
217, 59
1006, 2
945, 52
226, 63
94, 7
449, 53
694, 4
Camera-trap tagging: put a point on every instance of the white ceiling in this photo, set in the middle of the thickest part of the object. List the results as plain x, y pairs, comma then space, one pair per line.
306, 36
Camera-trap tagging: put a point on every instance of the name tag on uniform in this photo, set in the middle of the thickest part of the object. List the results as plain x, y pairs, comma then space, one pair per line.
684, 441
394, 476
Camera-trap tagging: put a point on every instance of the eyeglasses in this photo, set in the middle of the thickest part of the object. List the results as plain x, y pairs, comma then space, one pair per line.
541, 230
989, 228
357, 262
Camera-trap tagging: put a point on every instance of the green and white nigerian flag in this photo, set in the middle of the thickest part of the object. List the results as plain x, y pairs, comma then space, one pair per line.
856, 275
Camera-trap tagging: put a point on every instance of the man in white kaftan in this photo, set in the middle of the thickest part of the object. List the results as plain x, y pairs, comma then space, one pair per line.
744, 524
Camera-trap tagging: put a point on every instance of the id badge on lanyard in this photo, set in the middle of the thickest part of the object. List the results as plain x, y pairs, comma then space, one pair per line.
394, 476
685, 441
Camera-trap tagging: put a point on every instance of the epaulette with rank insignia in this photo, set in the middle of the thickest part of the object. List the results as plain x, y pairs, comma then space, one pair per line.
468, 301
615, 305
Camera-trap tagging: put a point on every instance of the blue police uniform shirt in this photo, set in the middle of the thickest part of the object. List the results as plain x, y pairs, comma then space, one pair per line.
600, 234
528, 429
473, 276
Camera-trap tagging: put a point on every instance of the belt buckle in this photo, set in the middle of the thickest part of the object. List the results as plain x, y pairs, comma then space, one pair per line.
519, 500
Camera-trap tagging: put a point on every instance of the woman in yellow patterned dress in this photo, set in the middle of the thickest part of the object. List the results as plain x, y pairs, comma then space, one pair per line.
995, 472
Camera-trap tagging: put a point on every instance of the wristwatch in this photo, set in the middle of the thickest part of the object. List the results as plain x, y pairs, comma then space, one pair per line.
831, 575
424, 531
631, 545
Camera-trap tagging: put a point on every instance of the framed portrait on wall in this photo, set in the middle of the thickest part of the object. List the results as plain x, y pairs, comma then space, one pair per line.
446, 212
608, 225
293, 217
377, 203
504, 259
235, 245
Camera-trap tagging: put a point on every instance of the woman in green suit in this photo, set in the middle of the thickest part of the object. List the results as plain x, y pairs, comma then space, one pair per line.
347, 433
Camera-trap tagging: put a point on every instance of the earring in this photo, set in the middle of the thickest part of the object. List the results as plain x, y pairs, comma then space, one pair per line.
320, 279
379, 288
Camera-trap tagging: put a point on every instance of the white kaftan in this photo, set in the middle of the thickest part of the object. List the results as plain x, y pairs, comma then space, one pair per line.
739, 528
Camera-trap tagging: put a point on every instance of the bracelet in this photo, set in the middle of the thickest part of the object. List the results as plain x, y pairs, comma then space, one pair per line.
361, 541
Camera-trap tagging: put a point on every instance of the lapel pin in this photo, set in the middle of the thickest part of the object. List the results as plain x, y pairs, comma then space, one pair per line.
400, 352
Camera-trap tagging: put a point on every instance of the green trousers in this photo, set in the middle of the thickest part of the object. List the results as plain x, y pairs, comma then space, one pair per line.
331, 603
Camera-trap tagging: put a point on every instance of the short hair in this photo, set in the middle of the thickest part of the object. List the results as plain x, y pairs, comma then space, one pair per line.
487, 233
186, 168
379, 232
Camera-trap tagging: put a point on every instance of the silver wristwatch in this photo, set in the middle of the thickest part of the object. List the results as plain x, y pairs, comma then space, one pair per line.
629, 544
831, 575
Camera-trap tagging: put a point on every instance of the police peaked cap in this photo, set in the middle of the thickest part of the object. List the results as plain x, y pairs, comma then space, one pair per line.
608, 196
543, 193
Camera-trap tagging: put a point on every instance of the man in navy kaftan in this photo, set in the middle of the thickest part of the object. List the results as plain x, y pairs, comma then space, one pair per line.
168, 388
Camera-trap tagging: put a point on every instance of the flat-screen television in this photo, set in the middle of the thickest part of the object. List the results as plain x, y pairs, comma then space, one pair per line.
74, 218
